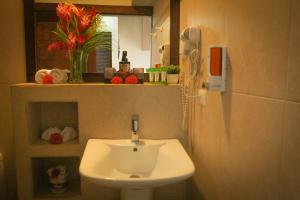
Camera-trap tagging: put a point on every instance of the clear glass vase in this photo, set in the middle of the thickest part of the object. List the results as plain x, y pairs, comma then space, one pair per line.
78, 65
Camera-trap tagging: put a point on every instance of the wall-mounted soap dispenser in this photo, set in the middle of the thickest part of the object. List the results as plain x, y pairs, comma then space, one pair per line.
217, 69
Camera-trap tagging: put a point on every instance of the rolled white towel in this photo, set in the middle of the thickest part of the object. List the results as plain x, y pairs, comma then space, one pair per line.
66, 75
40, 74
68, 134
59, 75
48, 132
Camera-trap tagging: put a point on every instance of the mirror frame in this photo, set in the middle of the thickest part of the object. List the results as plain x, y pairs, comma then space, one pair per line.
34, 12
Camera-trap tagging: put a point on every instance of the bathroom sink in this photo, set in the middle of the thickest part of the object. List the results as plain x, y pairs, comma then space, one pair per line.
125, 164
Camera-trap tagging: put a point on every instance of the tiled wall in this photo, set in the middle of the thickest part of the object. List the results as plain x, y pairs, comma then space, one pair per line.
247, 140
12, 70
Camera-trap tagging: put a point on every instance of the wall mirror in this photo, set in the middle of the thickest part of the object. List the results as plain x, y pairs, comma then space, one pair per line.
139, 27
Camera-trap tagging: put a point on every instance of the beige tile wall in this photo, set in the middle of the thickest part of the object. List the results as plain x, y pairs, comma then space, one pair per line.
12, 70
246, 141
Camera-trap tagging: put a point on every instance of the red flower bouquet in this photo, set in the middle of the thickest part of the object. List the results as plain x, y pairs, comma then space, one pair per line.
79, 32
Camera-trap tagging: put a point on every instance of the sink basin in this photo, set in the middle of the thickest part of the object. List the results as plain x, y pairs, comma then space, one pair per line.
124, 164
135, 159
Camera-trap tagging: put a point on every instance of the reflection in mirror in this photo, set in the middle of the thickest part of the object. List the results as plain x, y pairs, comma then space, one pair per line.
161, 32
141, 27
125, 33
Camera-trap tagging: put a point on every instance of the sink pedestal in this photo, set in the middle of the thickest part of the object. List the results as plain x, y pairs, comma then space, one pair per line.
137, 194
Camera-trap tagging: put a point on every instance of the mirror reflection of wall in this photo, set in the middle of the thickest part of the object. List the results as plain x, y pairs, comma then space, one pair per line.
160, 30
131, 34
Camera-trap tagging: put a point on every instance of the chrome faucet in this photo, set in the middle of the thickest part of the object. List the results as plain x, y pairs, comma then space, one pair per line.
135, 128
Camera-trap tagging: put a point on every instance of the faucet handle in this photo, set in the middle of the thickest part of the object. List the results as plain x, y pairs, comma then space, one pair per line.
135, 123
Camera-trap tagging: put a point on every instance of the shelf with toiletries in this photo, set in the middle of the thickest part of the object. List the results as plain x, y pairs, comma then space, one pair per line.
56, 177
53, 122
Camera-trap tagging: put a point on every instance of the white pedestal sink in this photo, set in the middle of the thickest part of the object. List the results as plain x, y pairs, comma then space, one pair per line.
135, 168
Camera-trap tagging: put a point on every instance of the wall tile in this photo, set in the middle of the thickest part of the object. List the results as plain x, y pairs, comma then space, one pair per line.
6, 139
294, 58
250, 151
210, 17
208, 126
290, 176
257, 39
171, 192
12, 48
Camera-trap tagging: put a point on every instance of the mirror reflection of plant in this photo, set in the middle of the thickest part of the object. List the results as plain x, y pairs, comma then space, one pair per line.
173, 69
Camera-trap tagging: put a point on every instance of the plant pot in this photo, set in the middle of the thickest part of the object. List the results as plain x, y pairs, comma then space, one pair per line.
172, 78
163, 76
156, 76
151, 76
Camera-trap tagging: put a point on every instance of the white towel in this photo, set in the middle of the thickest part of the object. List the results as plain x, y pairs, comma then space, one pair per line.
59, 75
48, 132
68, 134
66, 75
39, 75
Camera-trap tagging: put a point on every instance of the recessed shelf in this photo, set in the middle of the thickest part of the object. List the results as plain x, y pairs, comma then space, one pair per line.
41, 185
42, 115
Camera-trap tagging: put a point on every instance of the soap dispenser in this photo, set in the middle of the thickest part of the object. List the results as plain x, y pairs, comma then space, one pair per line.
124, 64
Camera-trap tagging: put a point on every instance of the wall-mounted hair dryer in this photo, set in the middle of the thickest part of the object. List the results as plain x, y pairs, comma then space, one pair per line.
191, 39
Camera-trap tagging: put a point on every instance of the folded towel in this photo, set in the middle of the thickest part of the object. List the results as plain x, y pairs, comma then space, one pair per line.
59, 75
68, 134
48, 132
39, 75
66, 75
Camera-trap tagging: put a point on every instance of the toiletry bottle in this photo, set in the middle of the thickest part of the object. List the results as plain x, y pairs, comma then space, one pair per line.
109, 73
124, 64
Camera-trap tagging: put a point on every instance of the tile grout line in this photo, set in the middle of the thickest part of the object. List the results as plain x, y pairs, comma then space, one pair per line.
267, 98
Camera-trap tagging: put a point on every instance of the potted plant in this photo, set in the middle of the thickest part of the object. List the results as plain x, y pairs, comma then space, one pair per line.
173, 74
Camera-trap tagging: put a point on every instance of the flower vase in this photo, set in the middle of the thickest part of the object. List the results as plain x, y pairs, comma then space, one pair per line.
78, 65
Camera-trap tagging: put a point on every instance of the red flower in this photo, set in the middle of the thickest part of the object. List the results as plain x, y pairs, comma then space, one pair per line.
116, 80
132, 79
63, 12
86, 17
85, 21
56, 46
72, 40
56, 138
74, 9
81, 39
47, 79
